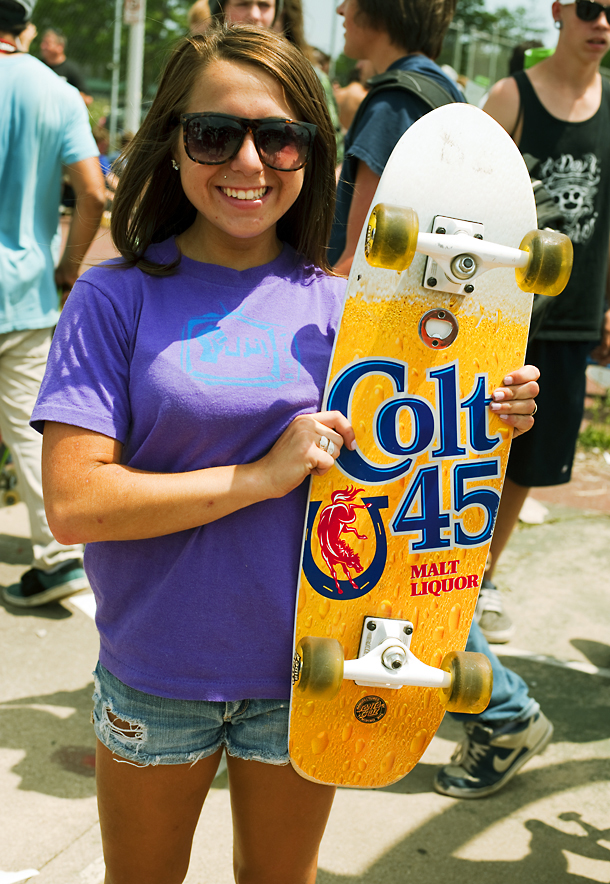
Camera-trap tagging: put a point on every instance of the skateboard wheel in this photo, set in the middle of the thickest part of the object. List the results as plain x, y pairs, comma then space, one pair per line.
321, 673
10, 498
471, 682
550, 262
391, 237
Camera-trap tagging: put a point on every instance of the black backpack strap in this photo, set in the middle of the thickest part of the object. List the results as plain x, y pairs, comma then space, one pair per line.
420, 85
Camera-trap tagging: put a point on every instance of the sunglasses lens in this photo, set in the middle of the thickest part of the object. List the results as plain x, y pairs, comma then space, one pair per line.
283, 146
586, 10
212, 140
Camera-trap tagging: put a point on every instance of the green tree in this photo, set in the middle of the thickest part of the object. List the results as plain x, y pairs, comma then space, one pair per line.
514, 24
89, 27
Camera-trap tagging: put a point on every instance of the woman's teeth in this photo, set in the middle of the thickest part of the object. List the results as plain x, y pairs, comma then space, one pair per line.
245, 194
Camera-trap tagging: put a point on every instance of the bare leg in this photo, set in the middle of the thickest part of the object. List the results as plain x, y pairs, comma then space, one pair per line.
513, 498
148, 816
278, 822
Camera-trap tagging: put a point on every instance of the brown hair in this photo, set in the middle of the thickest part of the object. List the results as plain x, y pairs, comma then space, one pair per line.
150, 204
294, 27
414, 25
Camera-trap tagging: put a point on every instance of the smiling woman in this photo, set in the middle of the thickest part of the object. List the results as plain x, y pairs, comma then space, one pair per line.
181, 422
235, 73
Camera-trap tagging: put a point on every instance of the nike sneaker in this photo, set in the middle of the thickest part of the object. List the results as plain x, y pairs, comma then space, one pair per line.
489, 757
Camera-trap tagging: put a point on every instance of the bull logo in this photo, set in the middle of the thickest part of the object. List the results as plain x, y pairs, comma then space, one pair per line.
335, 520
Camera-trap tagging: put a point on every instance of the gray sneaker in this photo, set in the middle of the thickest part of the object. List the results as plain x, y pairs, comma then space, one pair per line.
489, 757
495, 624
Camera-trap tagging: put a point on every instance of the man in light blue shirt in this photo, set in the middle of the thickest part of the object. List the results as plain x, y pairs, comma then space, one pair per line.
45, 129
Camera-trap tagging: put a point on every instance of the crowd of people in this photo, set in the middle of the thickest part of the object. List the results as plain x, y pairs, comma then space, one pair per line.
185, 472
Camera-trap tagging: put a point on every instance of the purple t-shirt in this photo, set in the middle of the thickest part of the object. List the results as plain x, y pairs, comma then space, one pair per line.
203, 368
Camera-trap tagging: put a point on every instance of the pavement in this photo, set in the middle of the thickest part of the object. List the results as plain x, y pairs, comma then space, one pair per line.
549, 825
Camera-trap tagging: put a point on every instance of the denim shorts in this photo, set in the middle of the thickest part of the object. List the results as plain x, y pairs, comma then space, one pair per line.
165, 731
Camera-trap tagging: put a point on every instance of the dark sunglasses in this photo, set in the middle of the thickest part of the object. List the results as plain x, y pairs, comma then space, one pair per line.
213, 139
589, 10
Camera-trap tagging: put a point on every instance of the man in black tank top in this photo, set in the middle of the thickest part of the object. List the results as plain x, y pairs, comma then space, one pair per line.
559, 111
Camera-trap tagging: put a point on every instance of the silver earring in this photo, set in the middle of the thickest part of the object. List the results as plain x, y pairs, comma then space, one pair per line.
558, 24
175, 165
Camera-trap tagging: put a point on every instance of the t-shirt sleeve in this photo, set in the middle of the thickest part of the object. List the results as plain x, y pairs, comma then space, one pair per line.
86, 383
386, 119
78, 141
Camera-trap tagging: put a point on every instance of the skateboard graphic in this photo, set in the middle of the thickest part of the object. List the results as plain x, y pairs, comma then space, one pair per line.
397, 534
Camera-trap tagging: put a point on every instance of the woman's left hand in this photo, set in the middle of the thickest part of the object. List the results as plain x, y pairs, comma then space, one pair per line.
514, 402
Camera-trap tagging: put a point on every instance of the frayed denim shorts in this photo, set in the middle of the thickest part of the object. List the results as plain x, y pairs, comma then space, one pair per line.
156, 730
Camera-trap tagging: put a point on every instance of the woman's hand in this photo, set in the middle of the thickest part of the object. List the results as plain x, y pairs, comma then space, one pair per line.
514, 402
309, 446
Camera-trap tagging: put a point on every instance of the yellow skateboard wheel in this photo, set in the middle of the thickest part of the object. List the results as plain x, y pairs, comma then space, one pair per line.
321, 673
550, 262
471, 682
11, 498
391, 237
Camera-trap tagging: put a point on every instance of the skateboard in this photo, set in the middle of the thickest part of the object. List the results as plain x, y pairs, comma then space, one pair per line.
436, 314
9, 492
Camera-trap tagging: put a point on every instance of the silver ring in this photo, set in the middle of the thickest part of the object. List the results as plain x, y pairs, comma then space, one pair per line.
324, 443
535, 409
331, 447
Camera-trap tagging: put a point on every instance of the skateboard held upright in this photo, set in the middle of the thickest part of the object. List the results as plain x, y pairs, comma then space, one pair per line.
436, 315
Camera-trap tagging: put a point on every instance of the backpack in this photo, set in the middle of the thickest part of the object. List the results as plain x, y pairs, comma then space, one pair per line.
420, 85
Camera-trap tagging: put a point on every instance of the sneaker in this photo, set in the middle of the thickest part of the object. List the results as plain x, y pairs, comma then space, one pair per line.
41, 587
489, 757
495, 624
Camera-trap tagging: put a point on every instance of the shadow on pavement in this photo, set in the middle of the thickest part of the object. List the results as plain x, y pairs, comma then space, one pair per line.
55, 732
52, 611
596, 653
15, 550
427, 855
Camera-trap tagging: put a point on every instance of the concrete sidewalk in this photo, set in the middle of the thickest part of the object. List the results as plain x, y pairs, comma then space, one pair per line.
550, 824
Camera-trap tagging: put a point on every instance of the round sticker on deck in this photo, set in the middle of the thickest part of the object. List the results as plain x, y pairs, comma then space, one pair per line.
370, 709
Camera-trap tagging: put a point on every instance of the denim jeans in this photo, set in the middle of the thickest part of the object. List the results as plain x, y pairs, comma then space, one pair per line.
510, 699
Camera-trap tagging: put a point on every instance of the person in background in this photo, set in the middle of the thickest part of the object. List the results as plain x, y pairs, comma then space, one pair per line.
199, 17
517, 59
559, 112
53, 51
290, 23
350, 97
262, 13
45, 127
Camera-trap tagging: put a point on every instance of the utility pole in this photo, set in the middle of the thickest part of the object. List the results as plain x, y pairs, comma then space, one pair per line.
135, 17
115, 66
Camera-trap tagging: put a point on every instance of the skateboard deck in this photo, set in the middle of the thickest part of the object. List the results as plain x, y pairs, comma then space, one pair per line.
397, 533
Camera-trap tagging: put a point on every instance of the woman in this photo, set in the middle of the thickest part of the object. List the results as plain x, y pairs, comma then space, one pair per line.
181, 420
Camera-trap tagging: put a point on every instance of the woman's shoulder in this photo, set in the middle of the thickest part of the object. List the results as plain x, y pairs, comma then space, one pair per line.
117, 274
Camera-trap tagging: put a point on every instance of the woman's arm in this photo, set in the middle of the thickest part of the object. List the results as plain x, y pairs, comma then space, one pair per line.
91, 496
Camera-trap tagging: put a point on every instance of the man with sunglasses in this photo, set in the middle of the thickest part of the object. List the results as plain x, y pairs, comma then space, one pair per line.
408, 35
559, 112
45, 126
